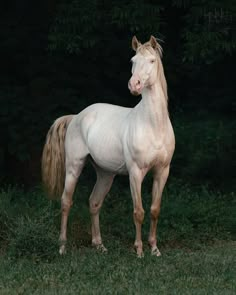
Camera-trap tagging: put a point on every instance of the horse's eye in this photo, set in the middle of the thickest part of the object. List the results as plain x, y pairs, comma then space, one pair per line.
152, 61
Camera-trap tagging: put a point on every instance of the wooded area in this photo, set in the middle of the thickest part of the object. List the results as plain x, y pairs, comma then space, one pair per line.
57, 57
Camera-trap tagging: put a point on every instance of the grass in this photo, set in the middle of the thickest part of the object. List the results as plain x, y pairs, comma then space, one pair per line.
210, 270
196, 237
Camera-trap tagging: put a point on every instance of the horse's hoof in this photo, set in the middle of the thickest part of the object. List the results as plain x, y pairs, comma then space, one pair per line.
101, 248
140, 254
155, 252
62, 250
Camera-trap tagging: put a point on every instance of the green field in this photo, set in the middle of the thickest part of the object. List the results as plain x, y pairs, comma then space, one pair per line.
209, 270
196, 237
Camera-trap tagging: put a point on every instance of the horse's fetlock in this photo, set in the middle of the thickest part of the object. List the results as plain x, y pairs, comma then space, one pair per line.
152, 242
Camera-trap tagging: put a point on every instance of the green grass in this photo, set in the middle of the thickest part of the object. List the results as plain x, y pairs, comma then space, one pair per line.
210, 270
196, 237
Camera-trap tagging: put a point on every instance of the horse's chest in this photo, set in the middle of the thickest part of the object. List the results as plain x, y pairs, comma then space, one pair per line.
147, 150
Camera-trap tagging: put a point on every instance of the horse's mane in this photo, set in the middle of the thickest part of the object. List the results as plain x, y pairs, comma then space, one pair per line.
142, 48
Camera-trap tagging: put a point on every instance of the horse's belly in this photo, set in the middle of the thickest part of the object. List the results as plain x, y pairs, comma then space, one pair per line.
109, 164
107, 153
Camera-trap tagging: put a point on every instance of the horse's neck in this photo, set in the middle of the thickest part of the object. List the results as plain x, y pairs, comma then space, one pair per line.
153, 107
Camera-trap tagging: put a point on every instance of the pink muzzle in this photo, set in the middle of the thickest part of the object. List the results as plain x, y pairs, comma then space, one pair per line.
135, 85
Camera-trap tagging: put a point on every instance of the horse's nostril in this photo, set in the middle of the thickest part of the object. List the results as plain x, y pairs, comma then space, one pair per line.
138, 84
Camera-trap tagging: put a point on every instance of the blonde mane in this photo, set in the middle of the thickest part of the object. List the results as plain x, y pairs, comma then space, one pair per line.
143, 48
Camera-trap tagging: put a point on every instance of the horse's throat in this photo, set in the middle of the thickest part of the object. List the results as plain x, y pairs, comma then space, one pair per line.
154, 107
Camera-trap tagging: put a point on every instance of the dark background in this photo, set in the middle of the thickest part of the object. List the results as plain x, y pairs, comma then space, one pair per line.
57, 57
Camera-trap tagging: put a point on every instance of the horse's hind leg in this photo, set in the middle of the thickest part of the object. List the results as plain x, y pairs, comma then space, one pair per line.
73, 170
100, 190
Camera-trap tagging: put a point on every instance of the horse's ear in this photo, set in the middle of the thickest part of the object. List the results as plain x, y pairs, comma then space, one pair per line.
135, 43
153, 42
155, 45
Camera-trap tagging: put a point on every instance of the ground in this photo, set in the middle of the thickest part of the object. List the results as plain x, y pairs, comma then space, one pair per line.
196, 238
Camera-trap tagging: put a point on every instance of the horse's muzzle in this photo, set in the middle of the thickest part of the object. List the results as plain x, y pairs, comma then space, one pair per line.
135, 85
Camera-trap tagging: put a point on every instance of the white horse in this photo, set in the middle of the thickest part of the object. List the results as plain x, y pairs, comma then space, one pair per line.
118, 140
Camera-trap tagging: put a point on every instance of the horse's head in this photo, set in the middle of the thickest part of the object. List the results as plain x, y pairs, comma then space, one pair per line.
145, 64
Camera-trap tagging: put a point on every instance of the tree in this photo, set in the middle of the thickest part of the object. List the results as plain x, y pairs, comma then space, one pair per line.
207, 31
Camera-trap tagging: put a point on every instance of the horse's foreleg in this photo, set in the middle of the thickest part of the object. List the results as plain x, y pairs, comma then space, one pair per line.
159, 181
136, 179
100, 190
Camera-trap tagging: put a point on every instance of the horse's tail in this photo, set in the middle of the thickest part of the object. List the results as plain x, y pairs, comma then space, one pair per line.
53, 158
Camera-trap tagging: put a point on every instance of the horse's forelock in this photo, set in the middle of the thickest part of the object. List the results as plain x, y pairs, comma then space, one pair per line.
142, 48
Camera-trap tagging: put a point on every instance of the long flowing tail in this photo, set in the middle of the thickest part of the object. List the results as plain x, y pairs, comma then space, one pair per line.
53, 158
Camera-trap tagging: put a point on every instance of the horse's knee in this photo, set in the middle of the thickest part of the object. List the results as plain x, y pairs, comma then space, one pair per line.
155, 211
94, 207
139, 215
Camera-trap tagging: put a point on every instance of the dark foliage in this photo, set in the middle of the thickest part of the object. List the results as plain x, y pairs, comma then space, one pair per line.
57, 58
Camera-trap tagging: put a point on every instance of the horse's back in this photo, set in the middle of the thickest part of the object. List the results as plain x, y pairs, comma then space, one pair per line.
106, 111
102, 116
